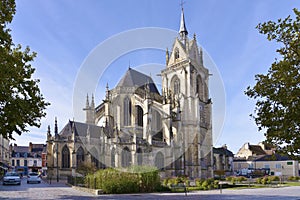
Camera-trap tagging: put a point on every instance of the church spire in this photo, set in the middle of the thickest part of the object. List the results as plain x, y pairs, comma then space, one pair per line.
55, 129
182, 31
87, 104
93, 102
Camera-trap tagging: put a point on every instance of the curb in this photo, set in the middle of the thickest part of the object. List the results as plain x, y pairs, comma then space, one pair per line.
92, 191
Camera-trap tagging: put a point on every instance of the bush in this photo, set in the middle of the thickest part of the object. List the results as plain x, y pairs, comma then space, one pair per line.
259, 180
241, 179
216, 184
293, 178
166, 181
229, 178
162, 188
274, 178
199, 182
132, 180
234, 179
267, 180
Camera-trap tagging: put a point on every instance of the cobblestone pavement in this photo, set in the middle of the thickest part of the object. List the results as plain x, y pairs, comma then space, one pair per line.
61, 191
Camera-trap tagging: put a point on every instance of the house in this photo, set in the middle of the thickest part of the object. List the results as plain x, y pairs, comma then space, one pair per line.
222, 161
25, 159
249, 151
264, 158
4, 154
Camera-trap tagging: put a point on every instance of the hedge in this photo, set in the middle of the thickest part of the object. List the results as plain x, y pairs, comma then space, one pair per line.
131, 180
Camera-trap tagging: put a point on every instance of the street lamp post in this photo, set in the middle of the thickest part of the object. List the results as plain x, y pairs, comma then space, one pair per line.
56, 139
57, 178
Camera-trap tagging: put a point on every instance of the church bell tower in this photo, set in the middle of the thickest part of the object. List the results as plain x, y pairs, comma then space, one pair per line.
187, 107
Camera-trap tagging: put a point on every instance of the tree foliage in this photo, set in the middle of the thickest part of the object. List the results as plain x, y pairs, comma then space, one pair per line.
277, 93
21, 103
86, 167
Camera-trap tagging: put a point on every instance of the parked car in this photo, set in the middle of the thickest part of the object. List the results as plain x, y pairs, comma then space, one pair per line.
11, 178
33, 177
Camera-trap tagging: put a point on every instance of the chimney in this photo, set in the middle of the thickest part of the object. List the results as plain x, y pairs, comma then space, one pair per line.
247, 145
30, 146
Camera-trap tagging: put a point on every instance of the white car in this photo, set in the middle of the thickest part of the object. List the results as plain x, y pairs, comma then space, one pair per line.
33, 177
11, 178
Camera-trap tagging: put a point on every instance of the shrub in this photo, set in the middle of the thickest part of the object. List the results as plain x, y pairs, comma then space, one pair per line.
293, 178
199, 182
229, 178
216, 184
132, 180
274, 178
264, 180
166, 181
259, 180
241, 179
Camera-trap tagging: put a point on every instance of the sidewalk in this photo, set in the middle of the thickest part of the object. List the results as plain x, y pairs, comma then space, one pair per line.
54, 183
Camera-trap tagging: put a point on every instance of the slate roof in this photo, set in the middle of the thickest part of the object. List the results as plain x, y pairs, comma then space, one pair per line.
133, 78
81, 129
256, 149
21, 149
274, 157
38, 147
222, 151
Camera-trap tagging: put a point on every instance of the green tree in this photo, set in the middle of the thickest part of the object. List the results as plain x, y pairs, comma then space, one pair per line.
86, 167
21, 103
277, 93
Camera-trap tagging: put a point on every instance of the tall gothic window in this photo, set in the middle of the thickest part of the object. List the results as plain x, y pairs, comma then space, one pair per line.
159, 160
127, 112
178, 163
199, 87
176, 85
94, 156
140, 115
65, 157
139, 156
112, 158
126, 157
79, 156
156, 122
176, 53
202, 113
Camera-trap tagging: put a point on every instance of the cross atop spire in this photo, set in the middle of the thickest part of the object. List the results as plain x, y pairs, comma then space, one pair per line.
181, 4
182, 31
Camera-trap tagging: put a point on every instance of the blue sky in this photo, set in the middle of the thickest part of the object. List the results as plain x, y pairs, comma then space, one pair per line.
64, 33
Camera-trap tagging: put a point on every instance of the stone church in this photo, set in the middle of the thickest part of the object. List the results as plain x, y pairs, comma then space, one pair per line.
137, 125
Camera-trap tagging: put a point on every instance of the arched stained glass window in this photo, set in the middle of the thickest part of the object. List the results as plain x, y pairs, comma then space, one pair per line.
80, 156
127, 112
140, 115
113, 157
139, 156
159, 160
126, 157
65, 157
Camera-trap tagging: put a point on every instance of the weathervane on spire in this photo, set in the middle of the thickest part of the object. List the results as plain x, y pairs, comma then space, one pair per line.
181, 3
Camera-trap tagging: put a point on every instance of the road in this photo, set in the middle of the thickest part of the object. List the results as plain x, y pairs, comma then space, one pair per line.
61, 191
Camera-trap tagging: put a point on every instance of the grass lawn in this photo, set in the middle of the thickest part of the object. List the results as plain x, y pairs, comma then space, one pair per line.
239, 187
291, 183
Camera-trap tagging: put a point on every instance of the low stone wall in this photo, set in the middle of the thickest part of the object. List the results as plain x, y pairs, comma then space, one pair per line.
92, 191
